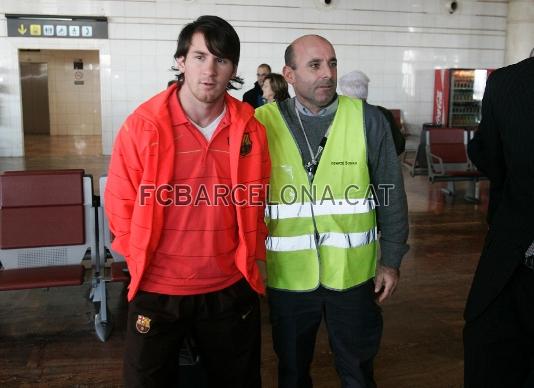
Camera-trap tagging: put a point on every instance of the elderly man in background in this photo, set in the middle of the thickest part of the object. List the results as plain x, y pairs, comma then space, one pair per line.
356, 84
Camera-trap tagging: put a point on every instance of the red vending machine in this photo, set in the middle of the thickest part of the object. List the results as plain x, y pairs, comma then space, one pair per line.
458, 96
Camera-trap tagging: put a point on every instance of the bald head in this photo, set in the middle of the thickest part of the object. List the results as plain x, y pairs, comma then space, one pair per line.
301, 43
311, 68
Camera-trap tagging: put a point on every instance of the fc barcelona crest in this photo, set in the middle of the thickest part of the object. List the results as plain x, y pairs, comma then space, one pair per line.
143, 324
246, 145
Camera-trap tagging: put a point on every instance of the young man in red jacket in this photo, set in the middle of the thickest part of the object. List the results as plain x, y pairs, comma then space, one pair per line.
185, 200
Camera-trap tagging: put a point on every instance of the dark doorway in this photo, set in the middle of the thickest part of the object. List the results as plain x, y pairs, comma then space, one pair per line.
34, 90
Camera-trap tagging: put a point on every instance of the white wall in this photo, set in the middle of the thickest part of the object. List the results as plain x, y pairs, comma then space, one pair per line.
397, 43
520, 32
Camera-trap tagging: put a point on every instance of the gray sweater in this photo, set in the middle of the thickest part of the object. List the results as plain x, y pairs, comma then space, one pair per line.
384, 169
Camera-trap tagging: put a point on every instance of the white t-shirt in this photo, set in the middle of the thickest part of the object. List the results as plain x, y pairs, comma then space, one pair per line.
209, 129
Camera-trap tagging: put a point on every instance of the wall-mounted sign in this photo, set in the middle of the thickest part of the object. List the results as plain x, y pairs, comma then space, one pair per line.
77, 64
54, 26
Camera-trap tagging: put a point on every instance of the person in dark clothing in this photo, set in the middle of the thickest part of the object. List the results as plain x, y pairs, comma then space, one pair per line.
499, 314
398, 137
255, 95
355, 84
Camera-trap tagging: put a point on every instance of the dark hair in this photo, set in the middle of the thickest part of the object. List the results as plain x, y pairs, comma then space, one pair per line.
289, 56
278, 85
221, 40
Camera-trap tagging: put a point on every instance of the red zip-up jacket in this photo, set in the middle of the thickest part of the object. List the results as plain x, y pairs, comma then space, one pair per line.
143, 156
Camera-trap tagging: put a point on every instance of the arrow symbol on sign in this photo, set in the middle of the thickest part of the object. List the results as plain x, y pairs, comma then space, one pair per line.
22, 30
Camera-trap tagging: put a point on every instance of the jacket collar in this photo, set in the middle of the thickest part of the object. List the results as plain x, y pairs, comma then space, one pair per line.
158, 108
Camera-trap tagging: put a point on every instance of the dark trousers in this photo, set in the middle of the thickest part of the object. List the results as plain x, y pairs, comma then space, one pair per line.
499, 344
225, 326
354, 324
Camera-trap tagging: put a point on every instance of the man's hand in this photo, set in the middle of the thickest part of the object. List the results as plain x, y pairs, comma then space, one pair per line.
386, 281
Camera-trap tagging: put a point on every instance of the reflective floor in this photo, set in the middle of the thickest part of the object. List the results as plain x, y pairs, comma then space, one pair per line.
47, 336
54, 152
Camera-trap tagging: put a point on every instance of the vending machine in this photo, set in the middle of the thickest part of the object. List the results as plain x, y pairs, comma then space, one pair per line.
458, 96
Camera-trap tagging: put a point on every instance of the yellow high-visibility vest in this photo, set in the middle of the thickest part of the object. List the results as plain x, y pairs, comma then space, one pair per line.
321, 232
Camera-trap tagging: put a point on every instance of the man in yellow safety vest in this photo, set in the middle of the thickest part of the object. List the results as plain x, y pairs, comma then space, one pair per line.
335, 183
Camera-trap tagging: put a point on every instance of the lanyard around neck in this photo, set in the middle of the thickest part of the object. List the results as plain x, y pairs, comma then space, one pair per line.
311, 166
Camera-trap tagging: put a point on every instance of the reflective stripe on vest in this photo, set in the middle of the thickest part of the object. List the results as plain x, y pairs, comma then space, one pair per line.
315, 240
338, 240
343, 206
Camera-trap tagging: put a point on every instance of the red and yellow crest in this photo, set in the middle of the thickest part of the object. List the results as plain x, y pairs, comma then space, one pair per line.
143, 324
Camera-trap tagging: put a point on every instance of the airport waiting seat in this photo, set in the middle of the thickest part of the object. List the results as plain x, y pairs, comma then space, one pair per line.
414, 158
118, 273
47, 228
447, 160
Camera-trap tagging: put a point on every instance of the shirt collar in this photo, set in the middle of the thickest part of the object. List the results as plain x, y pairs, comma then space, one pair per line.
328, 110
